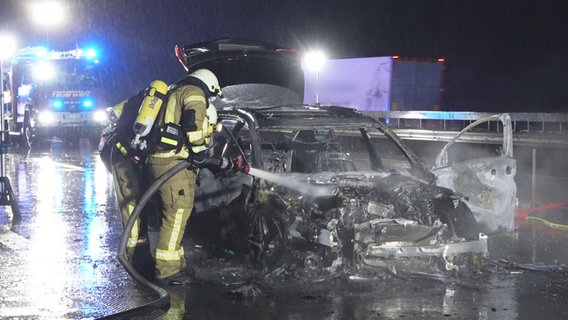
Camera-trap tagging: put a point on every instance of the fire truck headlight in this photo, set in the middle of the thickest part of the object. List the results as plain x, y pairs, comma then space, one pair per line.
46, 117
100, 116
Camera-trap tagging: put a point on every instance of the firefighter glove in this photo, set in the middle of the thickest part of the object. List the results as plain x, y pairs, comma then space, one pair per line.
197, 159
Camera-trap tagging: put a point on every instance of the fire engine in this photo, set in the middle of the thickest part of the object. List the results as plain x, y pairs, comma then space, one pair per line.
51, 94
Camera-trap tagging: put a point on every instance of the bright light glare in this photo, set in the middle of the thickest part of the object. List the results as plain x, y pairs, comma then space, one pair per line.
48, 272
40, 52
100, 116
25, 90
90, 53
46, 117
315, 60
48, 13
44, 71
7, 46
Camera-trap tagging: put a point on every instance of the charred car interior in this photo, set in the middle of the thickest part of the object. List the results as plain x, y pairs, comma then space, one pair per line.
329, 188
326, 188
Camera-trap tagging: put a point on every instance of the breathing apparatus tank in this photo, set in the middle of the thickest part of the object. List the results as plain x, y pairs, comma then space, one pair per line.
114, 113
155, 96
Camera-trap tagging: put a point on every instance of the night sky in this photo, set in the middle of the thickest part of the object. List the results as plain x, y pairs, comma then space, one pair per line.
501, 55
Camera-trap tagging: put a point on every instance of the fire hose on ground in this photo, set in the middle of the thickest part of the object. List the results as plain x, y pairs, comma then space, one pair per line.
525, 214
163, 300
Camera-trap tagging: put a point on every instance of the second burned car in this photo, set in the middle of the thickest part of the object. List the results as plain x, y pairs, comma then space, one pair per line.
329, 188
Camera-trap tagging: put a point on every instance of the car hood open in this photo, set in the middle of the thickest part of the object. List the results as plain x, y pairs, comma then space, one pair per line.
259, 74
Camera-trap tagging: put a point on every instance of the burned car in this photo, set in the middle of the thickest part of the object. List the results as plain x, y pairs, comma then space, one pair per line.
329, 187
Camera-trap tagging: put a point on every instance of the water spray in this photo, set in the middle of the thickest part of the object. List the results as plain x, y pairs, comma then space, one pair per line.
302, 187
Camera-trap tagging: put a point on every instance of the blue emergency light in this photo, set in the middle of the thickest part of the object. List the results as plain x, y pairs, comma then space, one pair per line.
40, 52
57, 104
90, 53
87, 104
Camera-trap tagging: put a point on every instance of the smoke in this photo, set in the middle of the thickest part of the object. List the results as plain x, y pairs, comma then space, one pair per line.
541, 174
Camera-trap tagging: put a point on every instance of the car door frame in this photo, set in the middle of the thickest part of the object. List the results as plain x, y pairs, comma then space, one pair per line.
487, 184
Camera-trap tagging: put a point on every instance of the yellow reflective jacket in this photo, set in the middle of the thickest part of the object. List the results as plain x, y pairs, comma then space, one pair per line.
186, 106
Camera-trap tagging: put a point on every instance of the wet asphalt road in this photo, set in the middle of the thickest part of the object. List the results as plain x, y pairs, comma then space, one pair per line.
60, 263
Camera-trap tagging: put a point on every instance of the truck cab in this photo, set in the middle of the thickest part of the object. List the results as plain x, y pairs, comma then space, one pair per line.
55, 94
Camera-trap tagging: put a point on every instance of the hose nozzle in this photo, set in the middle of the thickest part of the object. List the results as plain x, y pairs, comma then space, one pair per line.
234, 164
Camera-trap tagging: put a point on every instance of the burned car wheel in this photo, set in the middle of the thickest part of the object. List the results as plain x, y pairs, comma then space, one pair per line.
267, 238
460, 219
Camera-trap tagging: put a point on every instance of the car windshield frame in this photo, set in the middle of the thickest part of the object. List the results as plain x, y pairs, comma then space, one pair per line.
289, 120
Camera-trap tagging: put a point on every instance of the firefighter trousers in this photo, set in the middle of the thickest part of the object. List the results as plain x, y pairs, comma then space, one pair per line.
177, 195
128, 184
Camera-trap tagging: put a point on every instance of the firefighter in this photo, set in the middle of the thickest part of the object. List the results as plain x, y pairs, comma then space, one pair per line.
121, 152
186, 126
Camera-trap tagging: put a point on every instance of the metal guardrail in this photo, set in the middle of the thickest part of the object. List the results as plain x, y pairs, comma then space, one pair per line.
531, 129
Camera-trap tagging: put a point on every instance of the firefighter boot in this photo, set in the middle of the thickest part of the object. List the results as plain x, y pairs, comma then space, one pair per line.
144, 262
185, 277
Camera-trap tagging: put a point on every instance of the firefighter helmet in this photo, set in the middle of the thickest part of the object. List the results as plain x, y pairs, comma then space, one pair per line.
209, 79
